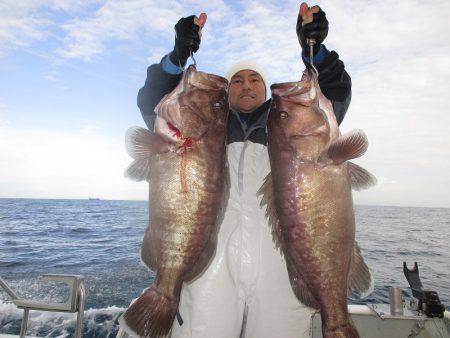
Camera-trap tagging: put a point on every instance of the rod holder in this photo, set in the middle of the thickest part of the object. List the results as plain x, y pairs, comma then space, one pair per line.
396, 301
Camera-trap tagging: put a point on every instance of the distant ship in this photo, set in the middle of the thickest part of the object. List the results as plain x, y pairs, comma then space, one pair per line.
94, 199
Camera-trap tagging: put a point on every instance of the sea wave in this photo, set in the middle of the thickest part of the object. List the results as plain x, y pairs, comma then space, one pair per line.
98, 323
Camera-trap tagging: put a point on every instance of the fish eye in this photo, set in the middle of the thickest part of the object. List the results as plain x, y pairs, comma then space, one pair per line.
284, 115
217, 105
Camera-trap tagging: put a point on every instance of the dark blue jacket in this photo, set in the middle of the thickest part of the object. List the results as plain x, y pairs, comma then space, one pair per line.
334, 82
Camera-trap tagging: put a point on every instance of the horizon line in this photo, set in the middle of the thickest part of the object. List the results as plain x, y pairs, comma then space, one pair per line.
141, 200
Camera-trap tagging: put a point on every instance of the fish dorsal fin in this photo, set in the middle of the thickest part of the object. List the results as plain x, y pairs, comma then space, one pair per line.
360, 281
266, 191
348, 146
360, 178
141, 145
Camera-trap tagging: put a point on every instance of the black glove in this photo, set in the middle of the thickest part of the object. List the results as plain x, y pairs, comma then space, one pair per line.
187, 39
317, 29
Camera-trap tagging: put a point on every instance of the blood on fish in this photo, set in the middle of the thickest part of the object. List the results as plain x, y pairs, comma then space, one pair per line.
175, 130
187, 142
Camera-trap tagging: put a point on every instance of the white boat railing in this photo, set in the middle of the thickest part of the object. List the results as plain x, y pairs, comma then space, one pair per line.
75, 302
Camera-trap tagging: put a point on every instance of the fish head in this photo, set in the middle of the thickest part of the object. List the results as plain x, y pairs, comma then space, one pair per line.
203, 104
197, 105
297, 122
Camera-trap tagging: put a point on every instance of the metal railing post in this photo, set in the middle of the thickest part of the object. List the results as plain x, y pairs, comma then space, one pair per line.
23, 327
80, 314
7, 289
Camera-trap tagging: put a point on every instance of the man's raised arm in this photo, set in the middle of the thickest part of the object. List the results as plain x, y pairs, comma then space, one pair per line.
334, 81
163, 77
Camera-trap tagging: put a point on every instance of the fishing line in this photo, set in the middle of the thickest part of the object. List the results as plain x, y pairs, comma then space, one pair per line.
311, 43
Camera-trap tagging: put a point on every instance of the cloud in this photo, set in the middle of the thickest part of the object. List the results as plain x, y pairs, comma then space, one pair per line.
23, 22
261, 31
45, 164
155, 55
18, 26
87, 37
399, 30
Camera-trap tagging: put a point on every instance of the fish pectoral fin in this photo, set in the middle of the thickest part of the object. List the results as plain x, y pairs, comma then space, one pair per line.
142, 143
139, 170
360, 178
266, 191
350, 145
360, 281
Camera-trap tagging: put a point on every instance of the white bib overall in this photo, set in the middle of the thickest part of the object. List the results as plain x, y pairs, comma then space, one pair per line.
245, 291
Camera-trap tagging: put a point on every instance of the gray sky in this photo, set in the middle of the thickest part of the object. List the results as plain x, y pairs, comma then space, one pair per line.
70, 72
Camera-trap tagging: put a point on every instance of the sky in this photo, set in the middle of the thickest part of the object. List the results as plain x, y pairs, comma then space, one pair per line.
70, 71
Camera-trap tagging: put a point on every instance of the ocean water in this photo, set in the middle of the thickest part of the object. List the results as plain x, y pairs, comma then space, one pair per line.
101, 239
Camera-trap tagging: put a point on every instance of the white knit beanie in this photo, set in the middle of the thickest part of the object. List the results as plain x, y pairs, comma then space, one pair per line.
243, 65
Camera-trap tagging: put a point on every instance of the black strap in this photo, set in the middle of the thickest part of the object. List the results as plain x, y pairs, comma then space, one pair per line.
179, 319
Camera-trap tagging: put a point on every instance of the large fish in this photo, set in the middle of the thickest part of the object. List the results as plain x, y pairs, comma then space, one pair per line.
309, 201
184, 161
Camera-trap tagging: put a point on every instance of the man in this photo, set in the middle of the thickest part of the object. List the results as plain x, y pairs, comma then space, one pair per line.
245, 290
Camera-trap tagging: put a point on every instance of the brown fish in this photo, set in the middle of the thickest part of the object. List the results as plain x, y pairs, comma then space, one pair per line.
309, 201
184, 161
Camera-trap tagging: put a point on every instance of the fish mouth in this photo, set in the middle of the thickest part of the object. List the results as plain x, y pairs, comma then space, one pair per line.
316, 132
219, 80
307, 134
207, 81
291, 89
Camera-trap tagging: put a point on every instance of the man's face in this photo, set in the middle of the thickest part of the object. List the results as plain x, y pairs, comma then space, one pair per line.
247, 91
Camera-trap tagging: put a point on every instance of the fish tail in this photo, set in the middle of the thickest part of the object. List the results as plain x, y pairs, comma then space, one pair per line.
343, 331
151, 315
